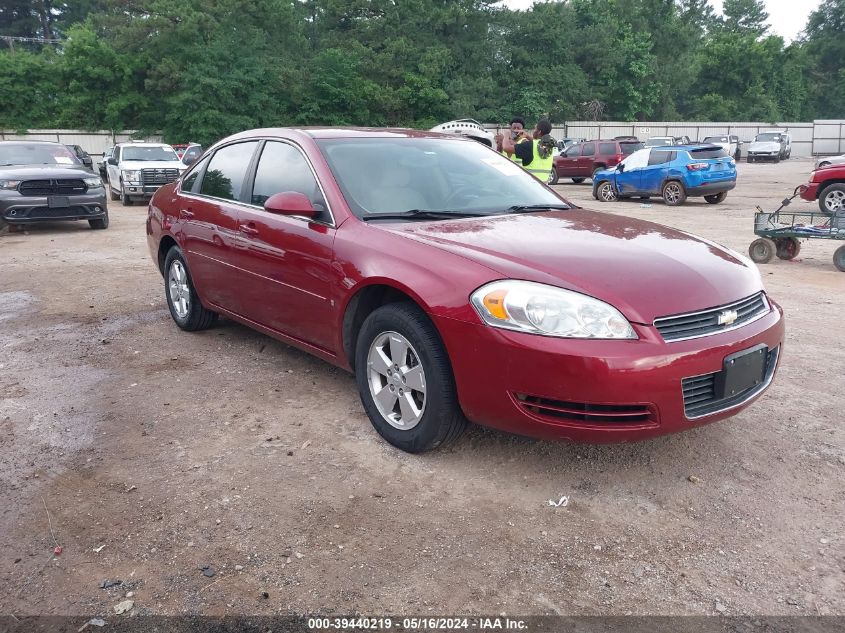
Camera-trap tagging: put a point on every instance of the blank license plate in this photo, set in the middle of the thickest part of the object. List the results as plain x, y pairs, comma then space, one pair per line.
745, 370
58, 202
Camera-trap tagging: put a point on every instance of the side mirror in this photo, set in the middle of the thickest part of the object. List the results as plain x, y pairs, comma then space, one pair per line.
620, 168
112, 161
290, 203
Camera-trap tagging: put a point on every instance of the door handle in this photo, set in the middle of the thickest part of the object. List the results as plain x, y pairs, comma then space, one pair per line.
248, 229
186, 214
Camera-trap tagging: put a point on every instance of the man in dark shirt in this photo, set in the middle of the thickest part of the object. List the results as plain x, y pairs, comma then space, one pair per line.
536, 156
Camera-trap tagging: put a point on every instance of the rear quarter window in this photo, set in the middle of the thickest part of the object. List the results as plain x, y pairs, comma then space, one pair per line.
607, 148
700, 154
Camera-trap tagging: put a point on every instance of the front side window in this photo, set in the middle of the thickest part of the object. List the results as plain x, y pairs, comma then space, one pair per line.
148, 153
573, 152
282, 167
190, 181
226, 171
637, 160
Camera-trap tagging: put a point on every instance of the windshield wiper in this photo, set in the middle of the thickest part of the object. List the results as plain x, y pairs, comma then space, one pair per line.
528, 208
421, 214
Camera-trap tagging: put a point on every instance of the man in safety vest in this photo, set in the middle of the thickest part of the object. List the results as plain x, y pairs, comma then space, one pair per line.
518, 134
536, 156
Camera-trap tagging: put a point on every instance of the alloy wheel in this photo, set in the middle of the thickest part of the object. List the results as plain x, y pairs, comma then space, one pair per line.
397, 380
180, 292
835, 201
672, 193
607, 193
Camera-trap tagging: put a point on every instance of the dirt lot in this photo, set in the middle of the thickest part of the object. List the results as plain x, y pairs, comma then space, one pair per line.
159, 452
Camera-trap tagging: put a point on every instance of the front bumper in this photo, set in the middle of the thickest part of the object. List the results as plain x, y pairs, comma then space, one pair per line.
764, 155
17, 209
809, 191
499, 374
139, 190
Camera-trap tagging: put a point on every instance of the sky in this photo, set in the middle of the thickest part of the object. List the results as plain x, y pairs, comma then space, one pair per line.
786, 17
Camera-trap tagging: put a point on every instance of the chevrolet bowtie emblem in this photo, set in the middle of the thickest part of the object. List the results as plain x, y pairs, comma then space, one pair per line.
727, 317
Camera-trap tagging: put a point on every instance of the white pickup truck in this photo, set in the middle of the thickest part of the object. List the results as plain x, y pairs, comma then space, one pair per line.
137, 170
728, 142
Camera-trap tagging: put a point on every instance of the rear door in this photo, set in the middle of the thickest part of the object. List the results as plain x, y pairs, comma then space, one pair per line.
654, 173
286, 260
208, 213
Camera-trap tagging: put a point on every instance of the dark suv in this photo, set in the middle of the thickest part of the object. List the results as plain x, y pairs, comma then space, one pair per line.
582, 160
41, 181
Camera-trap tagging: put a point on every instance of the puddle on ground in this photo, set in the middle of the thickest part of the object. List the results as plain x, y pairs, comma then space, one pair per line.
14, 304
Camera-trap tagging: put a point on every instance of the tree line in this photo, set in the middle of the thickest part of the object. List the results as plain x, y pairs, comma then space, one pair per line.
199, 70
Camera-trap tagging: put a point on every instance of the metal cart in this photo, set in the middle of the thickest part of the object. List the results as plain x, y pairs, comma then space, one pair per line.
781, 232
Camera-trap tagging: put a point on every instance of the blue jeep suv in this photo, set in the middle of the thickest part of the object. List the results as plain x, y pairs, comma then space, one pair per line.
673, 172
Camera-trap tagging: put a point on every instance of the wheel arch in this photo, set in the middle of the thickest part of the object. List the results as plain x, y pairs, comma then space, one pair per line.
368, 297
165, 244
827, 183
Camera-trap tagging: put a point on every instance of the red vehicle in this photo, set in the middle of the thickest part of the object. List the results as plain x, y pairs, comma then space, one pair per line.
582, 160
827, 185
456, 287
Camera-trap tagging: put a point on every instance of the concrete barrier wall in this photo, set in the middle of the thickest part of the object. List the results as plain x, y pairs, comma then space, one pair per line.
95, 143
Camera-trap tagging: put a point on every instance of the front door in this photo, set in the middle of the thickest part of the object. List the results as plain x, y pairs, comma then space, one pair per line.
286, 260
112, 171
584, 164
653, 175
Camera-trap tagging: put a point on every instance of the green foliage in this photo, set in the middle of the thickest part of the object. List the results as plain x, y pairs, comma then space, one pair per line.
200, 71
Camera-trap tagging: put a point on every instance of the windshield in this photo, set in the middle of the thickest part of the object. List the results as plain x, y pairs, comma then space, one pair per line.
393, 175
658, 142
145, 152
36, 154
767, 138
716, 139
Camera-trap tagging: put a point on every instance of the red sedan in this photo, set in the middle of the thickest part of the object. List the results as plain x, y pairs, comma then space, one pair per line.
457, 287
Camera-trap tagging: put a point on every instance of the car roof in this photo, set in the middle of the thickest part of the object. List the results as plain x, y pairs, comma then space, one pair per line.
692, 146
142, 144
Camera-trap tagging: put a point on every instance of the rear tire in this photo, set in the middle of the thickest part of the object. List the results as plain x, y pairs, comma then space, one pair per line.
431, 413
716, 198
839, 258
788, 247
832, 199
185, 307
762, 250
578, 181
674, 194
100, 223
748, 159
553, 177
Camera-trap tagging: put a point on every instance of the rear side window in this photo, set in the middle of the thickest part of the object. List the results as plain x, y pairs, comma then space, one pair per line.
282, 167
607, 148
190, 181
573, 151
699, 154
588, 149
660, 158
630, 148
227, 170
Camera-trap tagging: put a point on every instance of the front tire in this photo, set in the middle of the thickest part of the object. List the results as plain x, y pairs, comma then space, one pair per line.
824, 163
832, 199
716, 198
124, 197
405, 379
578, 181
605, 192
113, 195
100, 223
185, 307
674, 194
749, 159
839, 258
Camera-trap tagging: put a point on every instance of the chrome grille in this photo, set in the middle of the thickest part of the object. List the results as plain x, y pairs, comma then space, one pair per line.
53, 186
706, 322
154, 176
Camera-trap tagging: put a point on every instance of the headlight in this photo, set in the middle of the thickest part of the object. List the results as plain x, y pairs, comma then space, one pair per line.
93, 183
134, 175
9, 184
540, 309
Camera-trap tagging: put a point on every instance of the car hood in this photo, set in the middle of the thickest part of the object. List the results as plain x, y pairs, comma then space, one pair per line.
29, 172
764, 146
644, 269
152, 164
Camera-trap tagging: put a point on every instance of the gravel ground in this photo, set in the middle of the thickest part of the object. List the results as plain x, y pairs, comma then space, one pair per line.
158, 453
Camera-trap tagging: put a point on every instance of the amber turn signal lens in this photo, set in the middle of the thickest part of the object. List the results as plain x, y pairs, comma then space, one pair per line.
495, 304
